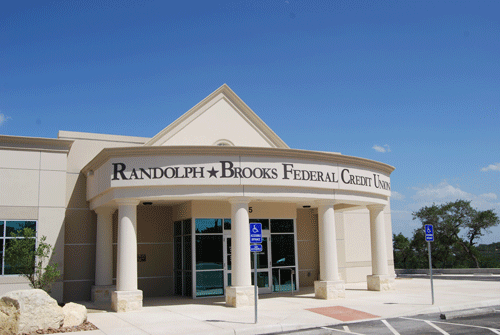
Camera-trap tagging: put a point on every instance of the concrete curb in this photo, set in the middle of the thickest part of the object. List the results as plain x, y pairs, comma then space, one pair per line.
479, 277
467, 312
452, 308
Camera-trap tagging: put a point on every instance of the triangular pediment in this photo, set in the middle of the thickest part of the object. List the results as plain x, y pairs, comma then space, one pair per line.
222, 118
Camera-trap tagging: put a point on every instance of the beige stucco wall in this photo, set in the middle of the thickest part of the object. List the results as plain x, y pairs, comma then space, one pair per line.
79, 220
357, 245
155, 228
33, 184
307, 246
208, 129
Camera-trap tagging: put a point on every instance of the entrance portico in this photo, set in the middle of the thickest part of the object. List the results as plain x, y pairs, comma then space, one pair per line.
125, 178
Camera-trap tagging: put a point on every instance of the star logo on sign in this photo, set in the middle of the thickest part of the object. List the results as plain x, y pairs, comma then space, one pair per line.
213, 172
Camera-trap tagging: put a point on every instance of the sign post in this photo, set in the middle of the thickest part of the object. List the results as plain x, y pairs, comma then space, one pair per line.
255, 237
429, 237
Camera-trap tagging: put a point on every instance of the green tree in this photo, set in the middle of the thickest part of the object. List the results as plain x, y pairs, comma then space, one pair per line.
30, 260
402, 251
457, 229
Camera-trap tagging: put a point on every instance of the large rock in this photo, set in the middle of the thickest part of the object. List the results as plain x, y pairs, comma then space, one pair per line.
29, 310
74, 314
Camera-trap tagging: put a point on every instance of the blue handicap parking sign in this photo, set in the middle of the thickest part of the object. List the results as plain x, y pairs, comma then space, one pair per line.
255, 233
429, 233
256, 247
429, 229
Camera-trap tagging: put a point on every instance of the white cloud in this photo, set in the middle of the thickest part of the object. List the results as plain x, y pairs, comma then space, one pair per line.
444, 192
379, 148
489, 196
397, 196
492, 167
440, 193
3, 119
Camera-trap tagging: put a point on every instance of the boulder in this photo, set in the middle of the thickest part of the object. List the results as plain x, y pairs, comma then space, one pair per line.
74, 314
29, 310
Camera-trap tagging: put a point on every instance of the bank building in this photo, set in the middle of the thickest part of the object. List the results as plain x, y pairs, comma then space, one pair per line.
132, 217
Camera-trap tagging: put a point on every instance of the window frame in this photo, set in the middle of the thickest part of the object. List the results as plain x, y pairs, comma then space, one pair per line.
4, 239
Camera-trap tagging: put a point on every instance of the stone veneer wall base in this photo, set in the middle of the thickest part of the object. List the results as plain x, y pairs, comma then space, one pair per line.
126, 301
102, 293
329, 290
380, 282
239, 296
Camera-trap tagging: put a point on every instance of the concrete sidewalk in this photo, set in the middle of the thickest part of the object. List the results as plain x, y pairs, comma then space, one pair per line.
280, 312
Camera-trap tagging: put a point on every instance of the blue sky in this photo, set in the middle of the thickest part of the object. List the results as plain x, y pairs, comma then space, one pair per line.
414, 84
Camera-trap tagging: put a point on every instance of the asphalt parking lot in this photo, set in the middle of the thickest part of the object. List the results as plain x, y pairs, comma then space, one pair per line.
421, 324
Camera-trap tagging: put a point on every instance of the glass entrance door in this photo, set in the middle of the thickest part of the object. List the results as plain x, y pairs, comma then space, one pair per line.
263, 265
264, 274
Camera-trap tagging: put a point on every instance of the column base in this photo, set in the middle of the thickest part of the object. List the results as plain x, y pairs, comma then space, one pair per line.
239, 296
126, 301
380, 282
101, 293
329, 289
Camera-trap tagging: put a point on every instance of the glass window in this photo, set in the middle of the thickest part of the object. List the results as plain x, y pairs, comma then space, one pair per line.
186, 227
227, 224
262, 279
16, 227
209, 254
177, 228
281, 226
178, 282
209, 283
261, 256
188, 284
228, 250
187, 253
178, 252
10, 230
282, 280
282, 250
208, 226
1, 255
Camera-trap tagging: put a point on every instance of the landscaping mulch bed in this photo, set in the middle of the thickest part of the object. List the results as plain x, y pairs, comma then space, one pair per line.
83, 327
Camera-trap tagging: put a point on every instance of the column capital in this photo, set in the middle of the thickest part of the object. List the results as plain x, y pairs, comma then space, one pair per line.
375, 207
103, 210
325, 202
239, 200
125, 202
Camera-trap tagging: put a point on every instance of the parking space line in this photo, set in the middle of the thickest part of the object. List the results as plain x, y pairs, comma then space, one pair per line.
437, 328
497, 331
391, 328
340, 330
346, 328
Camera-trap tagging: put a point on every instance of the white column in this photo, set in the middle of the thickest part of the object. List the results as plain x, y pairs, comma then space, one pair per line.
377, 234
126, 261
329, 286
104, 247
127, 297
240, 244
103, 287
328, 263
241, 292
380, 279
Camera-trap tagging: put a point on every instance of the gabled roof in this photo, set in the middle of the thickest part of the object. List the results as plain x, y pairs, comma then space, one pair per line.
222, 117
